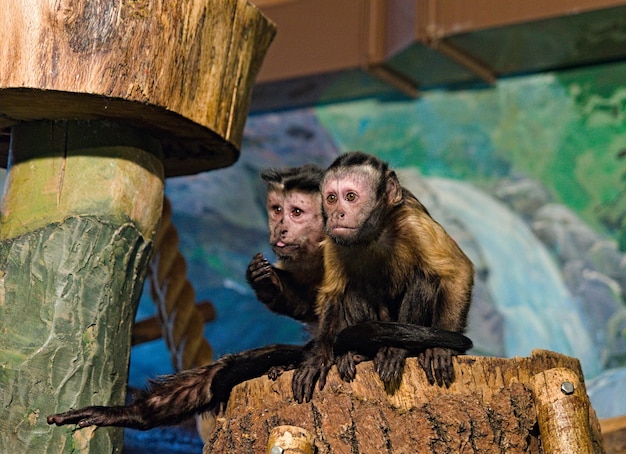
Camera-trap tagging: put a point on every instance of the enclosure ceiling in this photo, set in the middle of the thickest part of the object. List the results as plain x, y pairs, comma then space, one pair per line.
329, 51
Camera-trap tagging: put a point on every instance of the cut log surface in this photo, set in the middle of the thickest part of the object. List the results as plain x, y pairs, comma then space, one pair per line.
184, 70
490, 408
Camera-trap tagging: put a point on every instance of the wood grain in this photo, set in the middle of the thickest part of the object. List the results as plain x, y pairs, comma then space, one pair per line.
183, 70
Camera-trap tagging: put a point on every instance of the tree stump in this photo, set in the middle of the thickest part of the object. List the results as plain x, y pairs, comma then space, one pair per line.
104, 99
495, 405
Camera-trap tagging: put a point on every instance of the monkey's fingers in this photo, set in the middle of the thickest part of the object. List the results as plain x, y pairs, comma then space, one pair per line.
303, 383
258, 264
262, 277
277, 371
261, 274
425, 359
346, 366
322, 378
442, 366
389, 363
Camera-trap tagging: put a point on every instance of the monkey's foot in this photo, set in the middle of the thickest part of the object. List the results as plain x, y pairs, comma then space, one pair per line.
312, 371
346, 366
389, 363
277, 371
437, 363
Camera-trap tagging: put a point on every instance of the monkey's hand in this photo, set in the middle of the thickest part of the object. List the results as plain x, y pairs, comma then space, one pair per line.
277, 371
389, 363
437, 363
314, 369
263, 279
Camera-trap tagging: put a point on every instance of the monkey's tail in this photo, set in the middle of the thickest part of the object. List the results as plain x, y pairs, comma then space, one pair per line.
173, 398
370, 336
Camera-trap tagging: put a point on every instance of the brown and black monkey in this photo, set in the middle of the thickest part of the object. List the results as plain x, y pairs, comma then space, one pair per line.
296, 231
385, 260
172, 399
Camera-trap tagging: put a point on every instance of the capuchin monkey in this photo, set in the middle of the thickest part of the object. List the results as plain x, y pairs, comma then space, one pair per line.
385, 259
296, 231
290, 287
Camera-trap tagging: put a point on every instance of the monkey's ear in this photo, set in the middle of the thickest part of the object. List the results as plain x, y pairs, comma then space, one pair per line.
394, 190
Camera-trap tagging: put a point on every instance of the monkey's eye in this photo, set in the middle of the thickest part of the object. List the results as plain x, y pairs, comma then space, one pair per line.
331, 198
296, 212
277, 209
351, 196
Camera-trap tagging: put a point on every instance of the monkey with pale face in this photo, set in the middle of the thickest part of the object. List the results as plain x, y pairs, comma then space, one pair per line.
385, 260
296, 230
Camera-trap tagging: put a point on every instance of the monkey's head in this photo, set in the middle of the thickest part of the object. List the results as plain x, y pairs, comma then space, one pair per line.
358, 191
294, 211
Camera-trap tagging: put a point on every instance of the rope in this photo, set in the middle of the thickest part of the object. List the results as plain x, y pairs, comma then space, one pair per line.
182, 323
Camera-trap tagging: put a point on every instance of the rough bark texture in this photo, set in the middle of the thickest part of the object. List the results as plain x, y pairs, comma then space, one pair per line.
183, 69
68, 295
489, 409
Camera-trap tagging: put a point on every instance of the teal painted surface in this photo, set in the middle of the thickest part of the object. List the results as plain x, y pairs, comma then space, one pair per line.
567, 131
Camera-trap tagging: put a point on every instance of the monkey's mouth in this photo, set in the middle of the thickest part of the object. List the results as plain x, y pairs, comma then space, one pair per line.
341, 230
284, 248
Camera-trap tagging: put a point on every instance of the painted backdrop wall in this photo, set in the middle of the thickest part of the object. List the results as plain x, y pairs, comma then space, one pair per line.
528, 176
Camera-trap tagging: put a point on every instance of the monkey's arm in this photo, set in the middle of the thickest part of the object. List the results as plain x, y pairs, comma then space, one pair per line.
177, 397
279, 291
319, 358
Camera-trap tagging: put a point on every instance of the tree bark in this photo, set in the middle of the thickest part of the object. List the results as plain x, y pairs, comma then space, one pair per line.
490, 408
81, 204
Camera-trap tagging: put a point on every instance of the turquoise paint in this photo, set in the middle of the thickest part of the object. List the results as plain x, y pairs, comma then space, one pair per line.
564, 130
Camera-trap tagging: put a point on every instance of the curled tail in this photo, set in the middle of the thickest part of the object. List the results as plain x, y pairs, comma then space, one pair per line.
368, 337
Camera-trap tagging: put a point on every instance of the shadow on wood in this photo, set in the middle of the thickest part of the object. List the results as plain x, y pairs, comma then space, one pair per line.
518, 405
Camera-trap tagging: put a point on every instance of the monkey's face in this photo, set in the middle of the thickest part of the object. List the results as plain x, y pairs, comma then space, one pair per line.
349, 199
295, 222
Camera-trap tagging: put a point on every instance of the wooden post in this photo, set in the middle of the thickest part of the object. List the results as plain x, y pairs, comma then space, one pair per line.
104, 100
290, 440
490, 408
562, 412
81, 205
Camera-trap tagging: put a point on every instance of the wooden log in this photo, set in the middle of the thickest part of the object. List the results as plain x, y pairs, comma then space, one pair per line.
562, 412
290, 440
490, 408
81, 204
184, 70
